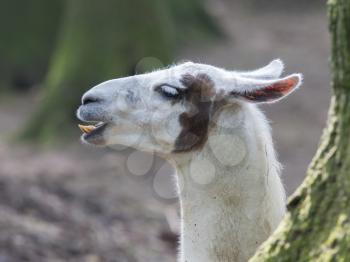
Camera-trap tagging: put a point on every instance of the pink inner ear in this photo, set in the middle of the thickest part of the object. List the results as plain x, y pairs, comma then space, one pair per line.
274, 91
284, 86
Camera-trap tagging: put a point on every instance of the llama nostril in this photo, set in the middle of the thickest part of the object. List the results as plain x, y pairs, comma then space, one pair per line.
90, 99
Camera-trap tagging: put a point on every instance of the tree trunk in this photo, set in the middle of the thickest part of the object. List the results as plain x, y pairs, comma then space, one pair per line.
28, 32
99, 41
317, 225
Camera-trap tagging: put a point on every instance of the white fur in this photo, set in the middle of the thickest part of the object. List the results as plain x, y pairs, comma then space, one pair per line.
229, 218
230, 191
271, 71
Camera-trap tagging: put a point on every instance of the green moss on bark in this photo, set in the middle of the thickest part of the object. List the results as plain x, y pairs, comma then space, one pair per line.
317, 225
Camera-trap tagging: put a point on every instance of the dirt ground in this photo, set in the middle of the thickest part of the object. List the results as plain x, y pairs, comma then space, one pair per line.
76, 203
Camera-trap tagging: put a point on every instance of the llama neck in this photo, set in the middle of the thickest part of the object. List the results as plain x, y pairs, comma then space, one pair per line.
230, 193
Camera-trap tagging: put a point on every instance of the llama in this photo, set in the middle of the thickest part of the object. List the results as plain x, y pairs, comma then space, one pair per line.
205, 121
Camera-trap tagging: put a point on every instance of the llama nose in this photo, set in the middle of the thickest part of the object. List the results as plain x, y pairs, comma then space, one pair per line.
89, 99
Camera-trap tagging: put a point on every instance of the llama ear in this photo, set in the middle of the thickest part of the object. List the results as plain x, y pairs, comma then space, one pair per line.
271, 71
265, 91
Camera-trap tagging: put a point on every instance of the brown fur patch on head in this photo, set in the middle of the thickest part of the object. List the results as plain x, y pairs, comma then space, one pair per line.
199, 97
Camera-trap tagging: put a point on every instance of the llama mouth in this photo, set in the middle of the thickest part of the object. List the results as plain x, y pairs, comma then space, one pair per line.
93, 134
90, 128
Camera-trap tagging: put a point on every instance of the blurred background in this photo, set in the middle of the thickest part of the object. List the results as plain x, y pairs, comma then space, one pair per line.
62, 201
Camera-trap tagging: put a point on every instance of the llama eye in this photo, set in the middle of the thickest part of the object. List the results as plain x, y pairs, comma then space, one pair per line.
169, 91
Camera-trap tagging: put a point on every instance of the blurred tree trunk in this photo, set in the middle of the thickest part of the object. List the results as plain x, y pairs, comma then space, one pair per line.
317, 226
28, 31
102, 40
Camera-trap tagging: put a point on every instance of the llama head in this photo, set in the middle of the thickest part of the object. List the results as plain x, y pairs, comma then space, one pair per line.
171, 110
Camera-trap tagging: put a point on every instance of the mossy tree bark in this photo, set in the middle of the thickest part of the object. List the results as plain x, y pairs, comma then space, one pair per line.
99, 41
317, 226
28, 32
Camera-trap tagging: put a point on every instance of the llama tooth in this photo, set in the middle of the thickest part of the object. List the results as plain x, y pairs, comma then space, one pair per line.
86, 129
90, 128
82, 128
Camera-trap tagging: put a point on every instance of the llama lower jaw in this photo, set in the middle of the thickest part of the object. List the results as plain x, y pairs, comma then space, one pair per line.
93, 134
